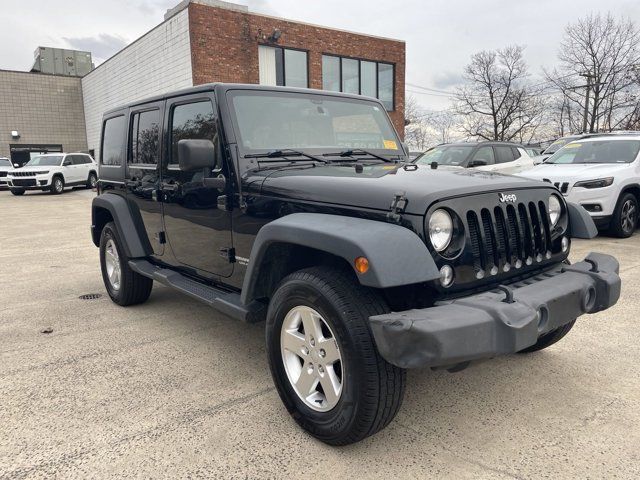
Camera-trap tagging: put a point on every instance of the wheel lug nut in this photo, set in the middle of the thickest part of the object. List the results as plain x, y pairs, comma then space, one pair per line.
312, 341
322, 353
305, 350
320, 369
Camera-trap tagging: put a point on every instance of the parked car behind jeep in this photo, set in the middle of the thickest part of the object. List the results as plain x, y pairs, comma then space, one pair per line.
298, 208
501, 157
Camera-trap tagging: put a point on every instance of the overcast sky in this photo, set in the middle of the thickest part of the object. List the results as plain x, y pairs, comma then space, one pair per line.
440, 34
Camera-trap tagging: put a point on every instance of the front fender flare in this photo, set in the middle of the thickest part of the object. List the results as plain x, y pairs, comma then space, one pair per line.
580, 222
396, 254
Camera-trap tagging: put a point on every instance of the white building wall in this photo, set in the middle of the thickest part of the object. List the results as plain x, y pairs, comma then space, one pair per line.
156, 63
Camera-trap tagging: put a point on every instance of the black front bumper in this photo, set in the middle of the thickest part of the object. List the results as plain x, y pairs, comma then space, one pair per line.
497, 322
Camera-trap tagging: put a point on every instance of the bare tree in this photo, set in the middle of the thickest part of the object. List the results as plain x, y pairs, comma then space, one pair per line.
599, 53
497, 102
416, 133
444, 125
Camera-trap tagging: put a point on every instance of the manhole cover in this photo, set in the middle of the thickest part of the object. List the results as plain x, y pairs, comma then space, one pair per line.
90, 296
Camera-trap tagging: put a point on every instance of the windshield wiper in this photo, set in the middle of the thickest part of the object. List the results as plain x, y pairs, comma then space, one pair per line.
284, 154
358, 151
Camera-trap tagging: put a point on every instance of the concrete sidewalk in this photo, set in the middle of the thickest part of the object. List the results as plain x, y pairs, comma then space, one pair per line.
172, 389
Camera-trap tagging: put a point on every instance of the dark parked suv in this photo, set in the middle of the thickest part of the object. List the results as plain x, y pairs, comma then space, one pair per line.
299, 208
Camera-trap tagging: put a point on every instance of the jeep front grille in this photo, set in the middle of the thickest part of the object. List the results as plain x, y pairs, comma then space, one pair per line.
23, 174
508, 236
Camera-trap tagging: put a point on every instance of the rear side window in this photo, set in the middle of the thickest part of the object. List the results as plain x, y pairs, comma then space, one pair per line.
504, 154
78, 159
112, 141
191, 121
516, 153
145, 137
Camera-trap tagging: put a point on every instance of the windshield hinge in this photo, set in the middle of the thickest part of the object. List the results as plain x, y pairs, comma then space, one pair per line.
398, 205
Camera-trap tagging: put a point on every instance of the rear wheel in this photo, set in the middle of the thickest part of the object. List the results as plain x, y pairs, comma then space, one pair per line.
17, 191
625, 216
57, 185
549, 338
92, 182
124, 286
323, 357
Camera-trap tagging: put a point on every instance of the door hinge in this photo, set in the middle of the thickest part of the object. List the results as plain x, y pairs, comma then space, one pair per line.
161, 238
229, 253
398, 204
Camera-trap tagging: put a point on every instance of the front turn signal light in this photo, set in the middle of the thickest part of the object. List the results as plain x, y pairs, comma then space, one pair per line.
361, 264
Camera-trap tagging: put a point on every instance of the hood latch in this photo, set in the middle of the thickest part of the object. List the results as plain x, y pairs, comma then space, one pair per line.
398, 205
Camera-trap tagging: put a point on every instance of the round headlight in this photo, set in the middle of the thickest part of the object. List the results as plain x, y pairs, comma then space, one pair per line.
440, 229
555, 209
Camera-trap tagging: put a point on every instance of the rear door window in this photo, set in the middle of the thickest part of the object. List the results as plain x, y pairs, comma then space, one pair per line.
145, 138
504, 154
484, 154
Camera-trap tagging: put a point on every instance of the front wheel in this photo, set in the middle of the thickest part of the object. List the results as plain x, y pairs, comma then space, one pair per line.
57, 185
324, 360
625, 216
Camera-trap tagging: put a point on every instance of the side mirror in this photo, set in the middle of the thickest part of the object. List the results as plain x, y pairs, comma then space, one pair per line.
66, 163
477, 163
196, 154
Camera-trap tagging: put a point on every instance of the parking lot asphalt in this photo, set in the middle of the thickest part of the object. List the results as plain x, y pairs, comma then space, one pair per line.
173, 389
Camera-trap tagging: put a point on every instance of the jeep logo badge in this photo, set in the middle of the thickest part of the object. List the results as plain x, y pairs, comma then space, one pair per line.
507, 197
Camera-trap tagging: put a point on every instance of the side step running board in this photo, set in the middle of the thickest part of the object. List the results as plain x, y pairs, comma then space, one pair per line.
225, 302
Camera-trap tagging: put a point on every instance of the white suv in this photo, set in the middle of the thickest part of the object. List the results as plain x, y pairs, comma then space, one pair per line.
5, 166
53, 172
600, 173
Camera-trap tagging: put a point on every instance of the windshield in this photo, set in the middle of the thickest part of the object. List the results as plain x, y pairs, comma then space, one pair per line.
602, 151
286, 120
42, 161
4, 162
446, 155
557, 145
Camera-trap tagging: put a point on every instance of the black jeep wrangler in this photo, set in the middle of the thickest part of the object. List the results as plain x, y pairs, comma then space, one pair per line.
299, 207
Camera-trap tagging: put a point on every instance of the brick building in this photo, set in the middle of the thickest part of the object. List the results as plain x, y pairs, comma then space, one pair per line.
199, 41
204, 41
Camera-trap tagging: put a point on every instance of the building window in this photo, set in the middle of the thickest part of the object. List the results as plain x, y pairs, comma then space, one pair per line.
362, 77
282, 67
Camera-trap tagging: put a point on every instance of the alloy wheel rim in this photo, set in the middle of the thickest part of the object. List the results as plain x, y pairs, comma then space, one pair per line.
93, 181
311, 358
58, 185
628, 216
112, 264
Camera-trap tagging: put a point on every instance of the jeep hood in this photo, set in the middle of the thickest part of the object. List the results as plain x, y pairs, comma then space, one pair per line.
376, 186
580, 171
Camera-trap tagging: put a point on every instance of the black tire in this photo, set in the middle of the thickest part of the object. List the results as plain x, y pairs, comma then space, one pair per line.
549, 338
17, 191
372, 389
133, 287
92, 181
57, 185
624, 221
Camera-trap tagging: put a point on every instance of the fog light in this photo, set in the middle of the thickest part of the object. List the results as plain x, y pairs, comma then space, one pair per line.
446, 276
565, 244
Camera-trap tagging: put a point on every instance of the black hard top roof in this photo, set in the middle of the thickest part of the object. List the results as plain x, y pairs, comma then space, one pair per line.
221, 88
